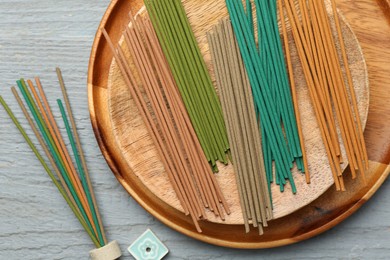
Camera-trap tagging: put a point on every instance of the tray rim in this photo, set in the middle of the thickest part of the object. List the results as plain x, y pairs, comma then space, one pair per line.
199, 236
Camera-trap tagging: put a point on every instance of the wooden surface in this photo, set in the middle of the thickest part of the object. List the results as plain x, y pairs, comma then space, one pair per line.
35, 222
326, 212
142, 157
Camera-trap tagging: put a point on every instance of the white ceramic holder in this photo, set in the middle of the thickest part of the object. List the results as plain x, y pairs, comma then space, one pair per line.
110, 251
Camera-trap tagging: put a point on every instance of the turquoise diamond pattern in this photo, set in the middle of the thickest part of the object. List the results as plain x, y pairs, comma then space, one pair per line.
148, 247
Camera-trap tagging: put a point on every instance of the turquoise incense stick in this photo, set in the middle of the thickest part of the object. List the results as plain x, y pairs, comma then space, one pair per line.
80, 168
48, 171
41, 125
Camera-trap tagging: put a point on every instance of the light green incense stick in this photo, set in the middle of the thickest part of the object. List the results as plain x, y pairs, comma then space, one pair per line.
84, 169
193, 80
81, 170
49, 141
49, 172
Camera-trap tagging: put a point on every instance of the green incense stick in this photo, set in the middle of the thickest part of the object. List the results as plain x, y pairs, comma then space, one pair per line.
48, 171
193, 80
265, 91
85, 171
47, 137
81, 170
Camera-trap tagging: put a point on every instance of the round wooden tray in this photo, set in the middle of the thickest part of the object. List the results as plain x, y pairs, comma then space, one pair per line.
316, 217
141, 154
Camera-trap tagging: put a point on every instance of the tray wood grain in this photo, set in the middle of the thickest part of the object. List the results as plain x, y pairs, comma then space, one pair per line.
370, 22
140, 153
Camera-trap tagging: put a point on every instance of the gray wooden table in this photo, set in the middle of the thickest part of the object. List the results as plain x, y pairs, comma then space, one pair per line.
35, 222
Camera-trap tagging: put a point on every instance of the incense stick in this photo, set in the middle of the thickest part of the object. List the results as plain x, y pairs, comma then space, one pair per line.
170, 127
169, 166
264, 63
190, 73
57, 136
328, 90
362, 145
50, 139
80, 160
311, 80
43, 145
77, 195
243, 132
48, 171
293, 89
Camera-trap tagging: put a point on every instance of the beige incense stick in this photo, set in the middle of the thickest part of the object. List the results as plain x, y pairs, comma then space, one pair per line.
43, 145
248, 178
244, 201
252, 166
242, 126
80, 150
65, 159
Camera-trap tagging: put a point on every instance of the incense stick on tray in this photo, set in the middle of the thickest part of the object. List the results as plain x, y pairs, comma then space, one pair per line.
242, 125
193, 80
332, 93
167, 121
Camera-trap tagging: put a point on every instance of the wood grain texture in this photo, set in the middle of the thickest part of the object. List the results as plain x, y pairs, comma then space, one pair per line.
385, 5
35, 223
139, 152
281, 231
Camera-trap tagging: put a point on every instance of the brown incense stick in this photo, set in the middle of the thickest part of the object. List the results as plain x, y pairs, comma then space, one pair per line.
182, 118
167, 129
80, 150
133, 39
64, 157
170, 168
44, 147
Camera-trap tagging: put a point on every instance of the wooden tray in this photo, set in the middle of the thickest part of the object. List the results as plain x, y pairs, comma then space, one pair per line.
323, 213
139, 151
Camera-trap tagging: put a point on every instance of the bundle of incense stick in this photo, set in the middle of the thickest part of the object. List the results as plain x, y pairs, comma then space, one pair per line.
329, 91
168, 122
75, 186
191, 75
265, 65
242, 125
272, 58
